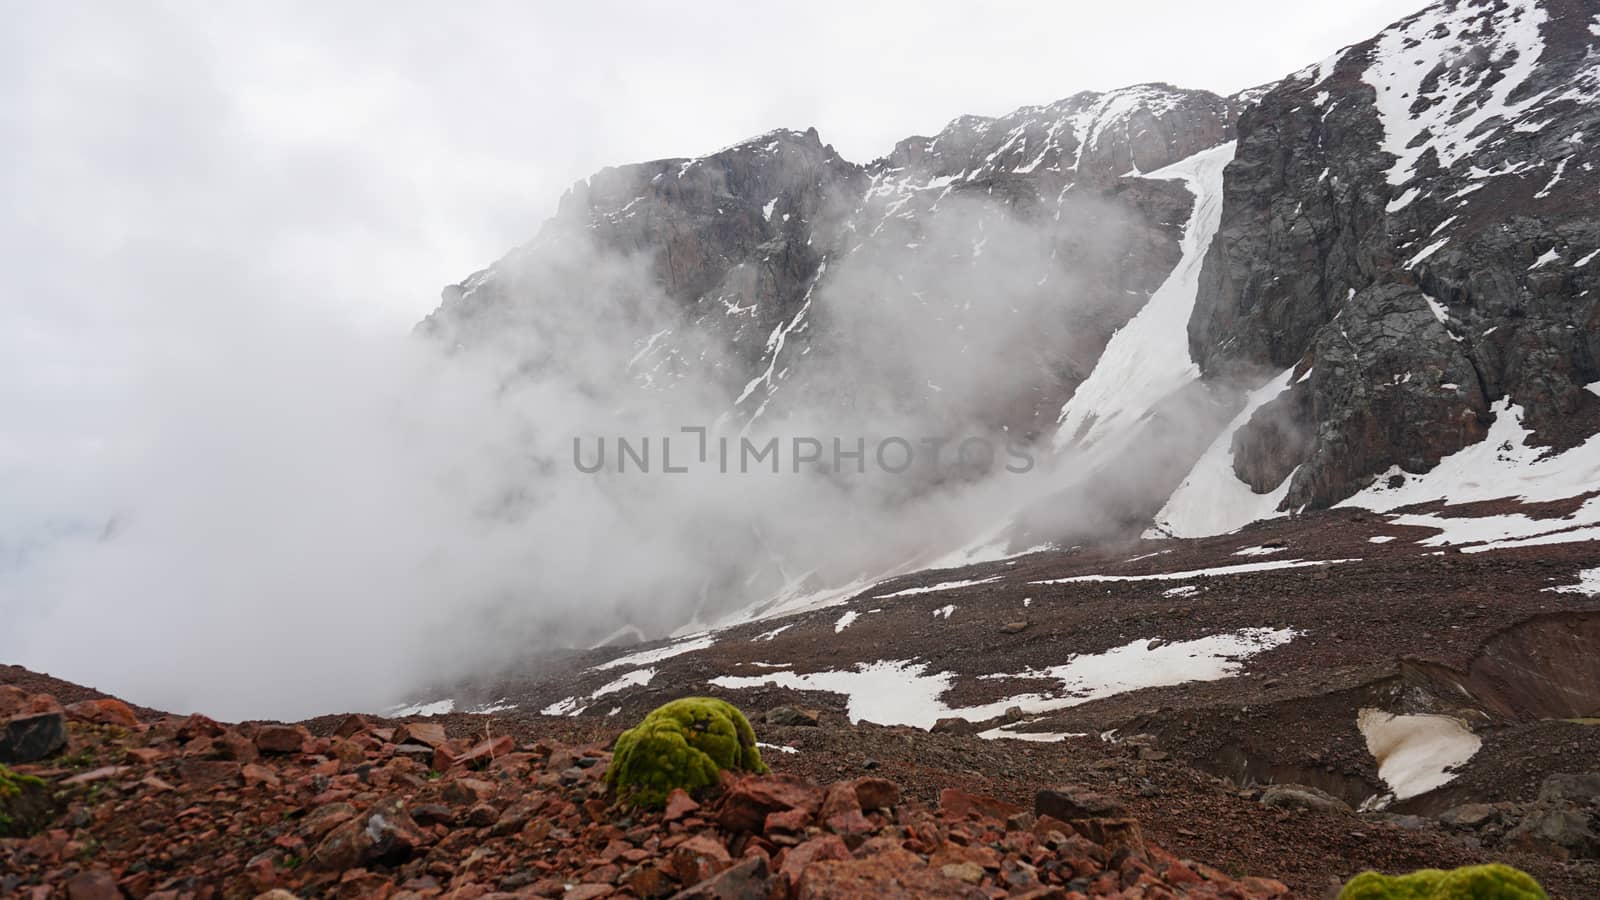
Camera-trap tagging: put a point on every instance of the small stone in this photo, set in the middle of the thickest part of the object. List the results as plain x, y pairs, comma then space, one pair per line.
95, 884
792, 716
970, 872
679, 804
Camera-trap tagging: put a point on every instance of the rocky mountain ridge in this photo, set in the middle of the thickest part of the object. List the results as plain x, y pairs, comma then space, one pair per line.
1405, 225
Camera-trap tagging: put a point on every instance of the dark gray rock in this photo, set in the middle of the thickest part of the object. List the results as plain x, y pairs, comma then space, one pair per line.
1073, 802
1561, 832
25, 739
1299, 796
1571, 787
791, 715
1470, 816
1416, 303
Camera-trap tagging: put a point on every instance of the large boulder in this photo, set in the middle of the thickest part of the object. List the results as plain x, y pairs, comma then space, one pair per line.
26, 738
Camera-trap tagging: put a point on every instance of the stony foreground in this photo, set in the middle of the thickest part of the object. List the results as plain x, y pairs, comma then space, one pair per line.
188, 807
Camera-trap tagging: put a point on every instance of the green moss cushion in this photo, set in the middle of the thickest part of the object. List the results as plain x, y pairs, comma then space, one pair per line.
682, 744
1491, 882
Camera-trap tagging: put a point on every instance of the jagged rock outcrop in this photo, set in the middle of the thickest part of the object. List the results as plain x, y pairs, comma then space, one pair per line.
1412, 221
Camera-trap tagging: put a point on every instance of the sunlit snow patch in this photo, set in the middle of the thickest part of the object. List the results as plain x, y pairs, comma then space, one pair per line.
645, 657
1588, 583
436, 708
942, 586
1211, 499
903, 692
1238, 569
1040, 737
1416, 753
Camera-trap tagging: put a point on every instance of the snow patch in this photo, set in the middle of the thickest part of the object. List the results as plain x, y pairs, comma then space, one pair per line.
1588, 583
1241, 568
941, 586
904, 692
1211, 499
1148, 358
645, 657
845, 621
436, 708
1416, 754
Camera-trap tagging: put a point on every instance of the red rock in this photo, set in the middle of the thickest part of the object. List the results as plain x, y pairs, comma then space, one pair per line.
486, 751
237, 747
699, 858
787, 820
747, 801
12, 700
960, 804
850, 824
1255, 886
839, 798
466, 790
325, 818
257, 774
895, 875
350, 725
349, 753
876, 793
94, 884
589, 892
385, 834
427, 734
145, 756
649, 880
748, 880
101, 774
282, 739
208, 772
679, 804
794, 861
103, 712
198, 726
1113, 834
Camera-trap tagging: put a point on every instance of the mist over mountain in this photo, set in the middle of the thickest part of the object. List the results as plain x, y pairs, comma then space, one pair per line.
1139, 312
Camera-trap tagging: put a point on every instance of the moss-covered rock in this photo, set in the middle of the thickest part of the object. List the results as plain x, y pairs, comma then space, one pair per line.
682, 744
26, 805
1490, 882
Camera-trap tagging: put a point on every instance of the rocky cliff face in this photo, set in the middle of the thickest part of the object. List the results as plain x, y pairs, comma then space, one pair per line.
1029, 238
1412, 222
1407, 236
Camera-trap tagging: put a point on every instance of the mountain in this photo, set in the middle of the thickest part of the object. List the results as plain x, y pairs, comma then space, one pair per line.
1401, 248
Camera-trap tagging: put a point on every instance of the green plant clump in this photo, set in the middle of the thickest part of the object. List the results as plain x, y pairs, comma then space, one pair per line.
682, 744
1488, 882
22, 801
